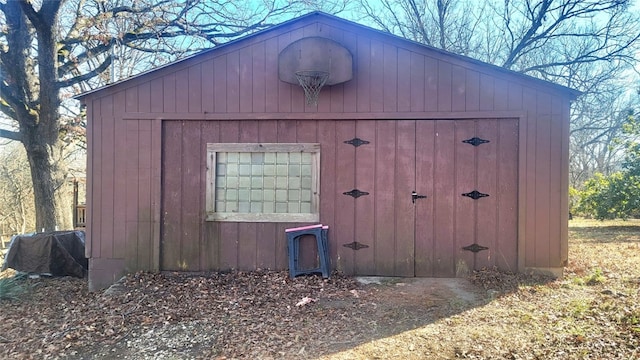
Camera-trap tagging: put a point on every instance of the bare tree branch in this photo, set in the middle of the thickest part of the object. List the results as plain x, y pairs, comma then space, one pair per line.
11, 135
87, 75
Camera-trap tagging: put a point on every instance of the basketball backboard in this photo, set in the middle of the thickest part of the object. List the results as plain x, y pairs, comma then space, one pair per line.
315, 54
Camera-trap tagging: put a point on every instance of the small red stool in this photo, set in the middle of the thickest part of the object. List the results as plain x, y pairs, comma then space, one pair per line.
293, 245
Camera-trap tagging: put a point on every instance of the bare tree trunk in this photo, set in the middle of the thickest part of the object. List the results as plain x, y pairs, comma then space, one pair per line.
43, 170
442, 14
39, 124
23, 218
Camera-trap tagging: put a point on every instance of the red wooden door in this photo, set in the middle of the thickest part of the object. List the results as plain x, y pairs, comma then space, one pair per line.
469, 171
439, 232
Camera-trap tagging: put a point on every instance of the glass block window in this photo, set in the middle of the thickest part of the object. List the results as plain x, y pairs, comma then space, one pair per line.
263, 182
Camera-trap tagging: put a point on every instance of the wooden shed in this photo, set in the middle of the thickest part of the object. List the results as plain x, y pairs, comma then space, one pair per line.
421, 162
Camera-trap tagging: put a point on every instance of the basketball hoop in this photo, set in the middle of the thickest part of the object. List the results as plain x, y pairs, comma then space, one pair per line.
312, 82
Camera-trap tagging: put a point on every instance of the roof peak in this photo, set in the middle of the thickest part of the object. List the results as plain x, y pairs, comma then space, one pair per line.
317, 13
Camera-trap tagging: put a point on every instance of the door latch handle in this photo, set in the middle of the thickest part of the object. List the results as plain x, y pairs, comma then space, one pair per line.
414, 196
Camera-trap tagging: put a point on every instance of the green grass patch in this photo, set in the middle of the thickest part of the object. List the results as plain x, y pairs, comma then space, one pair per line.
12, 288
594, 277
577, 308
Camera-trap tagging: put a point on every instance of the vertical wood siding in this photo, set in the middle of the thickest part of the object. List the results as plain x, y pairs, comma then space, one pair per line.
390, 76
397, 161
467, 178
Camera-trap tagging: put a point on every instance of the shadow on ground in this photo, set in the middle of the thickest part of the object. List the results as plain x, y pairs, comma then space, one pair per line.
606, 234
397, 305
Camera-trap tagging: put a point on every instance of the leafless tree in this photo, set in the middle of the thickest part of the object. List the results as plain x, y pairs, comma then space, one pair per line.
16, 194
50, 49
545, 38
597, 139
446, 24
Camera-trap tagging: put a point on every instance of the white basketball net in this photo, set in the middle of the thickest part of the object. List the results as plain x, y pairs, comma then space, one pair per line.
312, 82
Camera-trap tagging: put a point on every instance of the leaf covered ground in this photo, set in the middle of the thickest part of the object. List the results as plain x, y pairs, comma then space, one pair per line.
592, 313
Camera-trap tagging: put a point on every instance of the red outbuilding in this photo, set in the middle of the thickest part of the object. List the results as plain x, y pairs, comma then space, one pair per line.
421, 162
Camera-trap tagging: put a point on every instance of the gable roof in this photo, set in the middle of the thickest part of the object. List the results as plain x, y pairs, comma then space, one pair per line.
321, 16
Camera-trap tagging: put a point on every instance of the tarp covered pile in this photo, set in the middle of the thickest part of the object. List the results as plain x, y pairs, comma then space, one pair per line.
58, 253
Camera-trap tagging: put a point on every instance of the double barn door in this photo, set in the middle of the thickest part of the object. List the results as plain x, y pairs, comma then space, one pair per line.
430, 197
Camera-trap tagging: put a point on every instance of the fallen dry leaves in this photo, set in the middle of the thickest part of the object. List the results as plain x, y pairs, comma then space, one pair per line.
593, 313
238, 314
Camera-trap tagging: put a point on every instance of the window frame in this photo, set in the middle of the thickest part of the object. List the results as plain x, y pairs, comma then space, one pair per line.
210, 191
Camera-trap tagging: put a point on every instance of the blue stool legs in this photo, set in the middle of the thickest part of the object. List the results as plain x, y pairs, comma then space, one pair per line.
320, 232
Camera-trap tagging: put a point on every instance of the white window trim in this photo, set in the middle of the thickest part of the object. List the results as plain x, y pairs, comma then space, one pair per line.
214, 148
